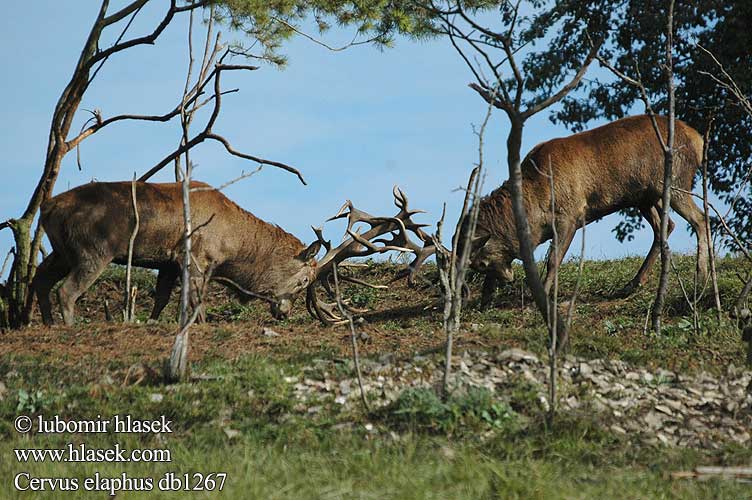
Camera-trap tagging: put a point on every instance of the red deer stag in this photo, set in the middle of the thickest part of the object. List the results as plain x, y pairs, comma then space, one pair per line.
90, 226
596, 173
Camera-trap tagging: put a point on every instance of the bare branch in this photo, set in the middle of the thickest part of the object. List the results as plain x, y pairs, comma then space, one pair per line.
146, 39
353, 43
581, 268
705, 206
229, 183
257, 159
723, 222
244, 291
208, 133
124, 12
643, 95
353, 338
129, 298
574, 82
119, 39
491, 98
12, 251
728, 82
554, 302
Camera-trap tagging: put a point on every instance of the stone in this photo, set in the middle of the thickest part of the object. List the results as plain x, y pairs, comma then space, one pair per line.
268, 332
664, 409
516, 354
231, 433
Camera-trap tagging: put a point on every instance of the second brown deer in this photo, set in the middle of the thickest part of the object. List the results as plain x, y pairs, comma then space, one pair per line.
595, 173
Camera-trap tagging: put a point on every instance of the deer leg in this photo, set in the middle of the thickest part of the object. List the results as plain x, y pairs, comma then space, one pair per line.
684, 206
52, 269
652, 215
81, 277
165, 283
566, 235
490, 282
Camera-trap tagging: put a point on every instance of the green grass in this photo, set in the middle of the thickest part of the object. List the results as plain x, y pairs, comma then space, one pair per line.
469, 447
244, 419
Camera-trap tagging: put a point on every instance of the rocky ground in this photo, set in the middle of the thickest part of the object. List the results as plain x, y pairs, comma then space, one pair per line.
658, 407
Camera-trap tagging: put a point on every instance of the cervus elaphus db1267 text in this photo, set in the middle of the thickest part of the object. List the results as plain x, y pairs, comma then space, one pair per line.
596, 173
91, 225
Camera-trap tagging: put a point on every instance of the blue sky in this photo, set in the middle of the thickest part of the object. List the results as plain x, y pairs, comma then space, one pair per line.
354, 122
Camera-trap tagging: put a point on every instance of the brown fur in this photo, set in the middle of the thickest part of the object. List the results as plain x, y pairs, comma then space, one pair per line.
90, 226
596, 173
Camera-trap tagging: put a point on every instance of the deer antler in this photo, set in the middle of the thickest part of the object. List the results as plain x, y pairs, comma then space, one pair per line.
395, 231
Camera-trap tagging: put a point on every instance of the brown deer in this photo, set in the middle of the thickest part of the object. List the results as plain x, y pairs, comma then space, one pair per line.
90, 226
596, 173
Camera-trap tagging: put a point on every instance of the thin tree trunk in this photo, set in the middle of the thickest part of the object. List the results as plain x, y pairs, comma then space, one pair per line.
129, 294
532, 276
553, 305
668, 164
742, 299
706, 210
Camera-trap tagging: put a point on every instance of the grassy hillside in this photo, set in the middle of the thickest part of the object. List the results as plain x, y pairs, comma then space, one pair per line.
248, 412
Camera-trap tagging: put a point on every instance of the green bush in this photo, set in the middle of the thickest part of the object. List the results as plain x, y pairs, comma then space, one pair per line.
421, 409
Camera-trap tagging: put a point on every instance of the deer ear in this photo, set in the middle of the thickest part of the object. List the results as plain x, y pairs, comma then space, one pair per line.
479, 241
310, 252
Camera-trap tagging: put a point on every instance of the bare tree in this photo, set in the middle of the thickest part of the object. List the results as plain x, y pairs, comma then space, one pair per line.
706, 209
494, 52
452, 266
17, 295
453, 263
353, 338
727, 82
668, 163
90, 62
130, 293
667, 145
553, 310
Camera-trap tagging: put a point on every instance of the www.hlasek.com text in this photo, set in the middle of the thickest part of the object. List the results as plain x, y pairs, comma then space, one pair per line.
82, 453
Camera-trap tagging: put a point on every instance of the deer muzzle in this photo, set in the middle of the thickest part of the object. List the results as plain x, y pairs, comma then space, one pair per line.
281, 310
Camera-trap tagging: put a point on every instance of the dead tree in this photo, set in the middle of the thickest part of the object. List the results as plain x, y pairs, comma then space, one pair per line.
453, 263
724, 80
668, 148
17, 296
491, 55
130, 293
667, 145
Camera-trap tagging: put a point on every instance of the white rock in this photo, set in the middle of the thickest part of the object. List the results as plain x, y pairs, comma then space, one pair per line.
231, 433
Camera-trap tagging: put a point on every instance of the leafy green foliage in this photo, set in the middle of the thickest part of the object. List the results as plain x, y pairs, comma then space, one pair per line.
267, 25
32, 401
422, 409
635, 31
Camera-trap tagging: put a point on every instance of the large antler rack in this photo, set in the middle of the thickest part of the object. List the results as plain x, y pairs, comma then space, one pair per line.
384, 234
